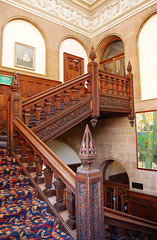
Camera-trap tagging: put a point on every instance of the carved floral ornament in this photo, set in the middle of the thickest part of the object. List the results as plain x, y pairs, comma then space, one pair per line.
82, 18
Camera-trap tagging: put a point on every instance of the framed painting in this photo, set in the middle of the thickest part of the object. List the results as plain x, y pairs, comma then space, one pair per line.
146, 138
24, 56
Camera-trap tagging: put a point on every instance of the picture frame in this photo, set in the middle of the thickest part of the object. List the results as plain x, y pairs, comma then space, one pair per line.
24, 56
146, 140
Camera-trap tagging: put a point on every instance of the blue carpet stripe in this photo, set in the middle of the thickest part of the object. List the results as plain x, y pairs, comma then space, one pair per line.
22, 215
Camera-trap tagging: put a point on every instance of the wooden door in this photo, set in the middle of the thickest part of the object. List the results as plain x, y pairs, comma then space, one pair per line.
73, 66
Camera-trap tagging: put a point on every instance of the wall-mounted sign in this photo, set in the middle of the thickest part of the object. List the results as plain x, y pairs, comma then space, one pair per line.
6, 80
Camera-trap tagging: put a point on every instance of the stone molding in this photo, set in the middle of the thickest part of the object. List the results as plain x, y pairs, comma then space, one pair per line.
83, 20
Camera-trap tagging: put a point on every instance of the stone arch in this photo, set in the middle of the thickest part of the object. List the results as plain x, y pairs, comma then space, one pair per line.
15, 33
147, 50
112, 167
115, 61
74, 47
64, 151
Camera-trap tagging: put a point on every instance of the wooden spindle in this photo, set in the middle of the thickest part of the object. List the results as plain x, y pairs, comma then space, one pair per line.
37, 113
114, 86
48, 173
30, 157
109, 85
141, 235
47, 108
119, 83
102, 83
74, 95
124, 89
23, 151
57, 103
38, 164
131, 234
59, 187
117, 233
72, 211
17, 143
26, 116
128, 88
66, 98
81, 92
89, 88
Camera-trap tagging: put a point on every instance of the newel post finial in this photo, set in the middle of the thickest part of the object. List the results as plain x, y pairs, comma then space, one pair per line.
15, 85
87, 152
89, 193
92, 54
129, 67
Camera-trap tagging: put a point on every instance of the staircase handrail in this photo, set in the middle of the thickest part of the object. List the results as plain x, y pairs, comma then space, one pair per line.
112, 74
54, 162
126, 221
55, 90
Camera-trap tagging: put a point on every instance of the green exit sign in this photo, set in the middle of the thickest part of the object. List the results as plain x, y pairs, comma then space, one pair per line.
6, 80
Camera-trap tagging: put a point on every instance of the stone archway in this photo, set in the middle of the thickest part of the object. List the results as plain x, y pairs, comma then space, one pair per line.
116, 186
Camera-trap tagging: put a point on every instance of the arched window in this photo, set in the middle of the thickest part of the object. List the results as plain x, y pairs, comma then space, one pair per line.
147, 57
112, 59
23, 47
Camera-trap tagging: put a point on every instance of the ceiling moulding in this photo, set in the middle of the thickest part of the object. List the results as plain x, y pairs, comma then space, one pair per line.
85, 21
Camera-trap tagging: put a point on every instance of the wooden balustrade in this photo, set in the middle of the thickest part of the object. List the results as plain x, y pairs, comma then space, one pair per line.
88, 192
111, 83
124, 226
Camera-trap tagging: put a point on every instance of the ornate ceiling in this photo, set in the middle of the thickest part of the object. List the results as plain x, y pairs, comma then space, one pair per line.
89, 17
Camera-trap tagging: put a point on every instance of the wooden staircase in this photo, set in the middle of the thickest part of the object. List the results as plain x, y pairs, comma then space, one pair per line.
45, 116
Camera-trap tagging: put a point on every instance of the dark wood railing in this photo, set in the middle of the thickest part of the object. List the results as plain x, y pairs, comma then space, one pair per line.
86, 185
71, 102
36, 147
124, 226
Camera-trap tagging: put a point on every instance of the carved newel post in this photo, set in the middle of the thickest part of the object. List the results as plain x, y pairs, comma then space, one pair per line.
89, 193
14, 109
93, 68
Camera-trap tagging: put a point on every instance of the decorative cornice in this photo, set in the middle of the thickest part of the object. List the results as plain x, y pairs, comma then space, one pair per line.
82, 18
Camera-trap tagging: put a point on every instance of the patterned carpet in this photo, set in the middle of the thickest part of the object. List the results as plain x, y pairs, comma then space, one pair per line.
22, 214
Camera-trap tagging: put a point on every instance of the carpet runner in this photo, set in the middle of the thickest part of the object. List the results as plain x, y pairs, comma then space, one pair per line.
22, 214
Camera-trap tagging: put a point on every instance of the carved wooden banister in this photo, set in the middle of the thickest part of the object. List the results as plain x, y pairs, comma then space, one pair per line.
116, 93
55, 90
59, 167
129, 222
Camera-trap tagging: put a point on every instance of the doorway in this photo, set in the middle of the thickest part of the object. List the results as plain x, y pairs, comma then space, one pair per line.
116, 186
73, 66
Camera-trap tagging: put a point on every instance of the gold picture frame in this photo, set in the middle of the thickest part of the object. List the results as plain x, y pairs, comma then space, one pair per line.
24, 56
146, 140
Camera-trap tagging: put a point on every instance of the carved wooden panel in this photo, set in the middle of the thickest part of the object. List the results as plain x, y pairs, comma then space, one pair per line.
142, 205
29, 86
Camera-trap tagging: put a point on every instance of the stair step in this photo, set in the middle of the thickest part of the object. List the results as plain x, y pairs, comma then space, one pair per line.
56, 234
4, 153
3, 137
7, 161
10, 170
37, 226
8, 182
3, 144
15, 195
12, 213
